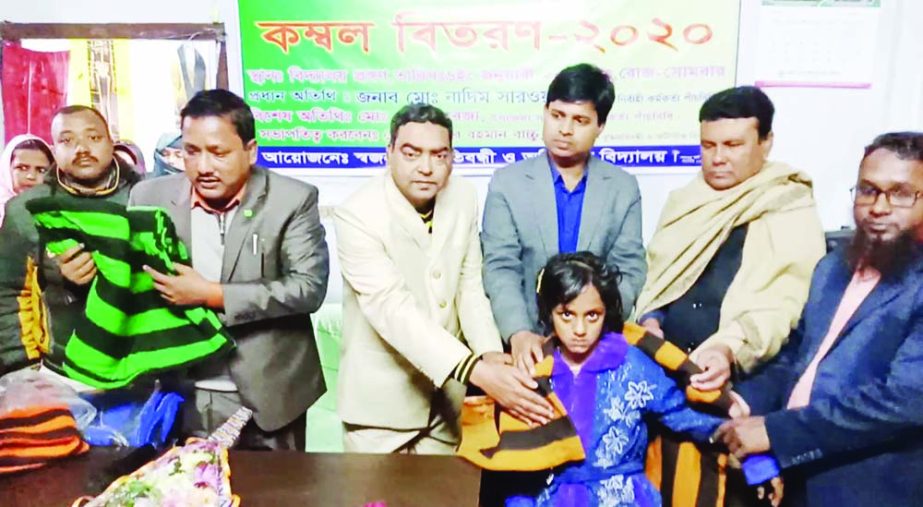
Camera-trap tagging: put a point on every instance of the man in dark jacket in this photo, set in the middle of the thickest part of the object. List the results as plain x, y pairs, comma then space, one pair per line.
842, 406
41, 296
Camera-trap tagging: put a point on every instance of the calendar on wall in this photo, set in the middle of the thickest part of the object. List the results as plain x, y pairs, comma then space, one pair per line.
817, 43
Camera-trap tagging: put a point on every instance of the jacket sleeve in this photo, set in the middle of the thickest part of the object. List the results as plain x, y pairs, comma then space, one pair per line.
866, 415
766, 390
388, 304
768, 295
17, 247
667, 402
474, 313
504, 273
304, 267
627, 252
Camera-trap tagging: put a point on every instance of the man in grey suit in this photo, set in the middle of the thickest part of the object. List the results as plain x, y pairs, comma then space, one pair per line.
259, 258
563, 201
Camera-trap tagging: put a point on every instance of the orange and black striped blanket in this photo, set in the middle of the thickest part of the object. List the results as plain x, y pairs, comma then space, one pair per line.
32, 437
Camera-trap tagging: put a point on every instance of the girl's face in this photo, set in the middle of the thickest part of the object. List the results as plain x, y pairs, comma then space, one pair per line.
578, 324
28, 168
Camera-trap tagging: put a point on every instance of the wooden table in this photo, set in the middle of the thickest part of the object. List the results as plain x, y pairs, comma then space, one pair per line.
280, 479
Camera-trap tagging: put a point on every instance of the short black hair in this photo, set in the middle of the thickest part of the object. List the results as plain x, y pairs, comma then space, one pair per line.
583, 83
566, 275
80, 108
905, 145
740, 102
419, 113
225, 104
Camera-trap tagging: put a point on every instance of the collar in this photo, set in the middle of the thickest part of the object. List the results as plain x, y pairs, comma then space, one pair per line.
558, 179
112, 182
196, 200
609, 354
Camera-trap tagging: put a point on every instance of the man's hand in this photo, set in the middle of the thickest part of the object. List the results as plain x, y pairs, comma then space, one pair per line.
76, 265
716, 361
526, 348
512, 389
497, 358
653, 326
744, 436
739, 407
186, 288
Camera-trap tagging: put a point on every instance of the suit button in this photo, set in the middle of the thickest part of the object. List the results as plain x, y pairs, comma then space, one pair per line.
442, 304
437, 275
696, 306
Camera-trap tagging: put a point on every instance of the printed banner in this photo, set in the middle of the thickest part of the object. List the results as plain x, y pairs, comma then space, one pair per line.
324, 79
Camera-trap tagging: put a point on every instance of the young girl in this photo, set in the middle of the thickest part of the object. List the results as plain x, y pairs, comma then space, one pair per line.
608, 387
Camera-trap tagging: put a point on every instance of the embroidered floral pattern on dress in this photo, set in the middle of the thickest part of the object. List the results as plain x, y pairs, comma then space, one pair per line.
612, 447
619, 412
639, 393
616, 491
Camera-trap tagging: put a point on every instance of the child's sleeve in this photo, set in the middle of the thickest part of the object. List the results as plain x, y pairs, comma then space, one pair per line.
674, 412
669, 403
759, 468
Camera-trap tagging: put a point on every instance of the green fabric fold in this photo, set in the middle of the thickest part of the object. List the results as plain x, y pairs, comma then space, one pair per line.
127, 329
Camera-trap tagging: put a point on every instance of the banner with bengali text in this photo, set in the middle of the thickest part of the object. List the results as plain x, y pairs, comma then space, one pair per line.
324, 78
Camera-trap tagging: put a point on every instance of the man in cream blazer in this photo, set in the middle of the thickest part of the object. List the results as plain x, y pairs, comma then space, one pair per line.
417, 326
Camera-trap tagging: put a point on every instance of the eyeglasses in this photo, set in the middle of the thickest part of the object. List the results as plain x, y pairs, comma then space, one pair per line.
867, 195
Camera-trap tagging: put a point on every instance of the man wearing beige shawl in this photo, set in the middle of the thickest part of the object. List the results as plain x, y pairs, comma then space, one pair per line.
729, 270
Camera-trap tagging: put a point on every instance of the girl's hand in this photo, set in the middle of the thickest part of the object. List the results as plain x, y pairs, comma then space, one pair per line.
716, 361
777, 493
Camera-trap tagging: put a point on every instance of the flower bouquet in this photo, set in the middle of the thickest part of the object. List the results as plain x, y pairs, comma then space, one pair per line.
194, 474
197, 474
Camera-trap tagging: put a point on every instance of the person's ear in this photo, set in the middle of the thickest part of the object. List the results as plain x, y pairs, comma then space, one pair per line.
766, 145
252, 151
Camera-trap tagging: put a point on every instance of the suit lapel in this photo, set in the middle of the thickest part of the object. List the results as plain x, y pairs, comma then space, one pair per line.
544, 204
836, 282
595, 194
181, 212
244, 221
407, 217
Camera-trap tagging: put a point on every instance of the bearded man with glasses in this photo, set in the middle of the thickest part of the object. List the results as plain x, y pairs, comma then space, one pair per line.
842, 405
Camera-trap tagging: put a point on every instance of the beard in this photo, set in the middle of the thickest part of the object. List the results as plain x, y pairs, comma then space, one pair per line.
890, 257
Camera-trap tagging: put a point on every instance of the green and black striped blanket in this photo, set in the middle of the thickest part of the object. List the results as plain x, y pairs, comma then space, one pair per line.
127, 329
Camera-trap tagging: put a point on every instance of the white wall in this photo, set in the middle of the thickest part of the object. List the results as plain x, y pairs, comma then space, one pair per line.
821, 131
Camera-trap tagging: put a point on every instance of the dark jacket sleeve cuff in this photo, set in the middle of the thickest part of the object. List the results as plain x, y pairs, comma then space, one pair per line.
790, 440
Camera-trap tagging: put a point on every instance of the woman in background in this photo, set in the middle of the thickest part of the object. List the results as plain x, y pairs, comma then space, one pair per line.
23, 165
168, 155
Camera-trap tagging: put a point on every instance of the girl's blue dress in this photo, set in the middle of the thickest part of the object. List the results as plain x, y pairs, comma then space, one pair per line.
608, 400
